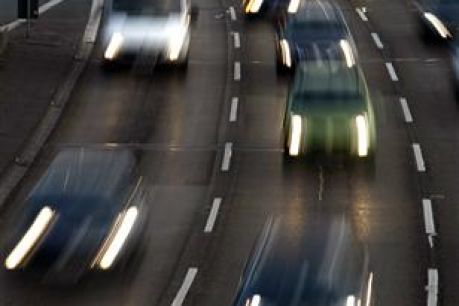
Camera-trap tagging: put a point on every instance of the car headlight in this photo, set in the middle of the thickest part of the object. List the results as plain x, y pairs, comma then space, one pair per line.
254, 301
362, 135
116, 238
295, 135
114, 46
351, 301
438, 25
253, 6
39, 227
286, 55
293, 6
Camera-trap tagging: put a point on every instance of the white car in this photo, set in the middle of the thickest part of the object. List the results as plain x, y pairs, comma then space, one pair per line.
159, 28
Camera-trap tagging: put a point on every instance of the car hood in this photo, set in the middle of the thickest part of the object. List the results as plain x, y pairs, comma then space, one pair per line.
143, 29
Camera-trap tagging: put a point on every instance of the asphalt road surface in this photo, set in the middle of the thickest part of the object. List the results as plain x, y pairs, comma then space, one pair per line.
180, 124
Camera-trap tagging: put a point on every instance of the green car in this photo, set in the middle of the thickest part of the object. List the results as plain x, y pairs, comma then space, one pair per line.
329, 111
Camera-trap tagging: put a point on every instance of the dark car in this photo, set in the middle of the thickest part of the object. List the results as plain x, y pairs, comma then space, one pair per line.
440, 18
315, 261
317, 29
85, 213
329, 110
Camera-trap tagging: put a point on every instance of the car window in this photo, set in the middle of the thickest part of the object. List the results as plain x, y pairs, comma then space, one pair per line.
146, 7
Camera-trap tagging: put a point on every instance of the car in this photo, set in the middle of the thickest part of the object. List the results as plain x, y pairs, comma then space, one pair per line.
439, 18
159, 29
85, 215
270, 8
329, 110
306, 261
317, 29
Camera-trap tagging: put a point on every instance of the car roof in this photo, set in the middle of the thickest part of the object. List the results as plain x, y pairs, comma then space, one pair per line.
316, 11
324, 86
86, 181
312, 261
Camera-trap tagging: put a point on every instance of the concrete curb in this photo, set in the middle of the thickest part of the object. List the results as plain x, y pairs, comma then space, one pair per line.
13, 175
3, 41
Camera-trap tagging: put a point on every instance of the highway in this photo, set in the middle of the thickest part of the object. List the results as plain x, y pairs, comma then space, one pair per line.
215, 132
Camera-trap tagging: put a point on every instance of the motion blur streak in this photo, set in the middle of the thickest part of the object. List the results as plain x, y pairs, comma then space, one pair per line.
177, 37
296, 135
438, 25
362, 135
369, 289
347, 50
253, 6
122, 232
286, 56
293, 6
114, 46
31, 237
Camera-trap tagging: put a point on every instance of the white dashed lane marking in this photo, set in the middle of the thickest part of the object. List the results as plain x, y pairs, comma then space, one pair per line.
237, 40
406, 110
377, 40
361, 14
418, 157
186, 285
227, 156
232, 13
391, 71
237, 71
213, 215
233, 111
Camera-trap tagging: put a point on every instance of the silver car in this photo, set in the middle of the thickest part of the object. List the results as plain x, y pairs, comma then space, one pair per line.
153, 28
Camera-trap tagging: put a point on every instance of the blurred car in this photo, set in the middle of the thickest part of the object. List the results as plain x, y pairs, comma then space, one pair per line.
317, 28
329, 110
439, 17
455, 62
85, 213
298, 262
160, 28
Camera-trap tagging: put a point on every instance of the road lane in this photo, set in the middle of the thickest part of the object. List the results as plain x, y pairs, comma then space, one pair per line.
425, 73
171, 120
384, 208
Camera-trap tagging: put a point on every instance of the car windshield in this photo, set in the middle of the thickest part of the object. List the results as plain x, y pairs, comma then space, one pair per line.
146, 7
317, 30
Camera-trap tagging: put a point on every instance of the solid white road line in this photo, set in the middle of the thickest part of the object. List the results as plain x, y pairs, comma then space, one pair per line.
181, 294
432, 287
233, 111
418, 156
391, 70
406, 110
232, 13
361, 14
213, 215
237, 40
237, 71
428, 217
227, 156
42, 9
377, 40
